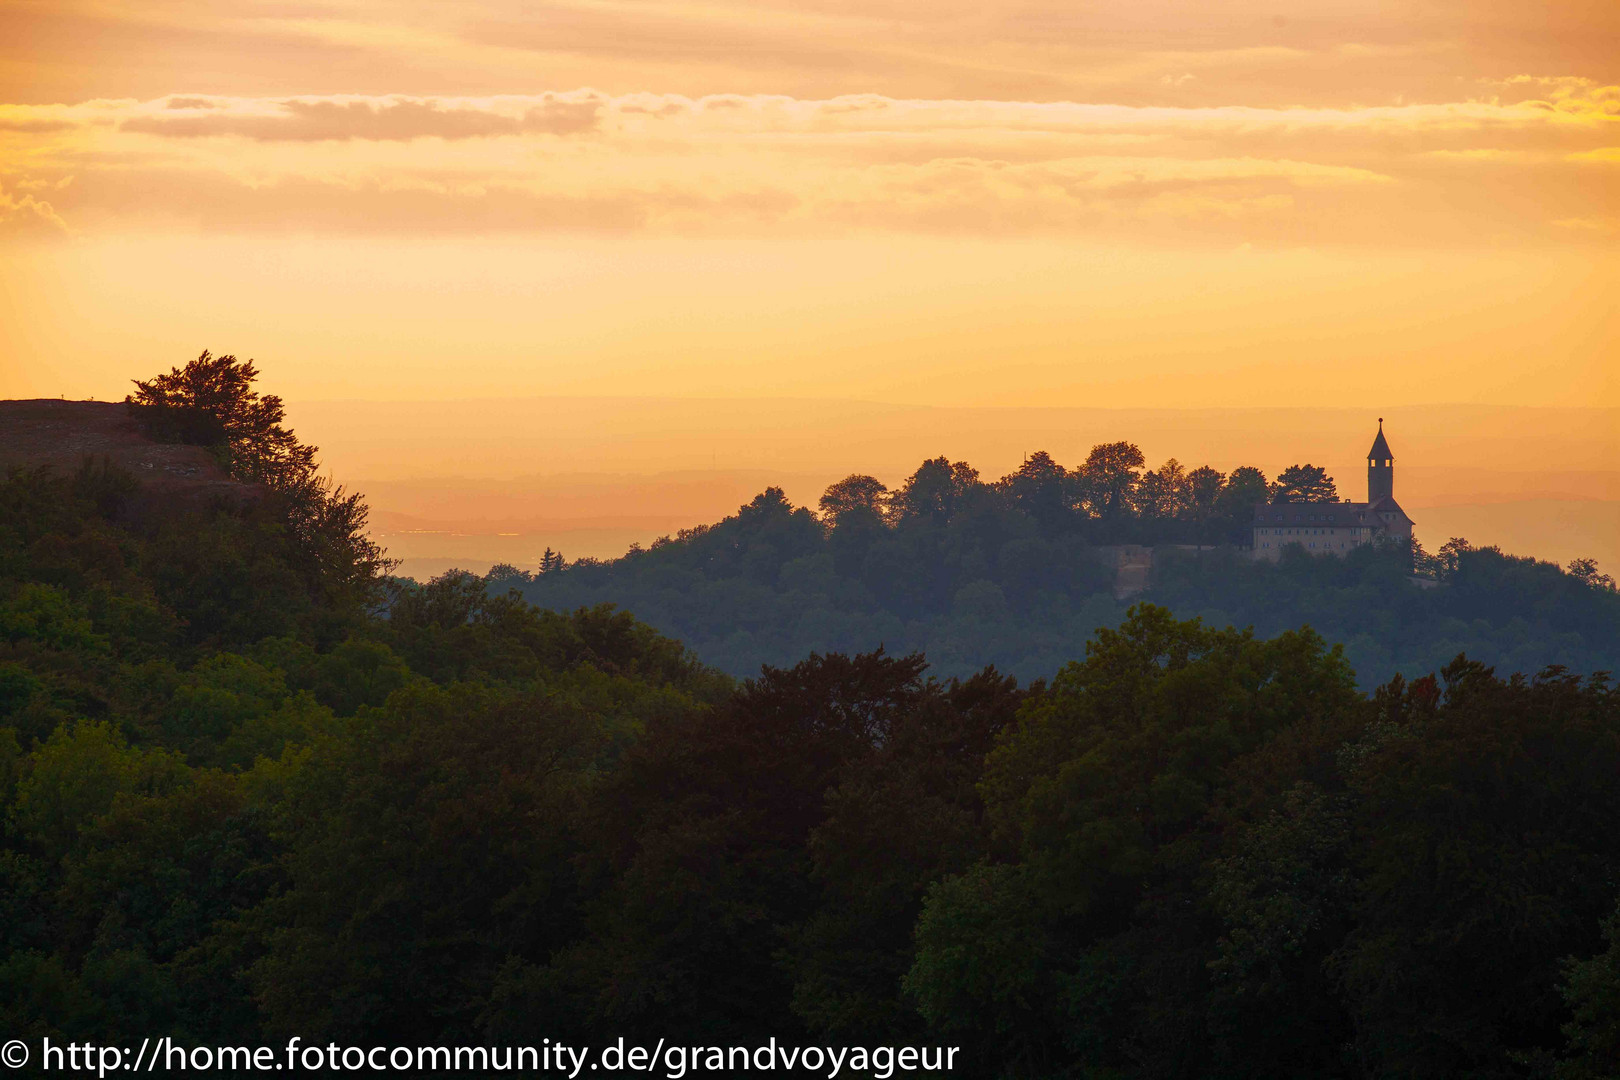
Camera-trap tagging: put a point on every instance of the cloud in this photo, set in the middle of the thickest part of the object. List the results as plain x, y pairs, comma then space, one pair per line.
1603, 155
1371, 174
305, 120
1324, 53
34, 127
24, 215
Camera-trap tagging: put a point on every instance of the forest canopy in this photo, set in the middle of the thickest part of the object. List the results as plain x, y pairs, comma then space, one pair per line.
1020, 572
243, 798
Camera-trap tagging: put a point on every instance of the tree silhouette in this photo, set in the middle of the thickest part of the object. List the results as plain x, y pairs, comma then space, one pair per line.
1202, 487
1162, 493
211, 402
1586, 570
1108, 476
935, 491
1304, 483
854, 496
1245, 487
1040, 489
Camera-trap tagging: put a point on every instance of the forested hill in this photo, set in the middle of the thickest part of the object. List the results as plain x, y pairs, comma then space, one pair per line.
1018, 573
251, 788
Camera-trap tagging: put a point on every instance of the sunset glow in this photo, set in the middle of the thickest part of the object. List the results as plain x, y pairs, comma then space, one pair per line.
1149, 205
1014, 540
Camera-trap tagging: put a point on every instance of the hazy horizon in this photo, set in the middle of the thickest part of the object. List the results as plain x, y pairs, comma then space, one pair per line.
595, 476
814, 239
1149, 204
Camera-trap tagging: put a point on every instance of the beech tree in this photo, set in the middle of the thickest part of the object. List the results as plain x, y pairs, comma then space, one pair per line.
211, 402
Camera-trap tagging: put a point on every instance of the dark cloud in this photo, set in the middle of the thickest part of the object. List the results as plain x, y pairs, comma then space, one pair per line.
316, 121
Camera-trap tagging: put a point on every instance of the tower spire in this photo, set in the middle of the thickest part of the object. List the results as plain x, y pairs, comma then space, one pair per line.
1380, 468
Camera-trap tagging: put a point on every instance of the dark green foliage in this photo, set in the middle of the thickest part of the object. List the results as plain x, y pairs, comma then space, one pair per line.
1592, 992
245, 794
978, 585
238, 800
1020, 574
723, 898
1304, 483
211, 402
1515, 614
1103, 804
1212, 857
1485, 851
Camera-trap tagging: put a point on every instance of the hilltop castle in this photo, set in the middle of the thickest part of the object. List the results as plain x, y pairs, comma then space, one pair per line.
1334, 528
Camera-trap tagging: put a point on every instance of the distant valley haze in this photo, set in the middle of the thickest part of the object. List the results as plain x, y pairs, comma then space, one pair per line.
470, 483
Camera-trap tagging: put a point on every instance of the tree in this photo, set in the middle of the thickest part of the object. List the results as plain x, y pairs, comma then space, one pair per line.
1203, 487
935, 491
1109, 476
1591, 991
1076, 951
1039, 489
902, 817
1245, 487
1162, 493
1485, 845
1586, 571
1450, 556
1304, 483
211, 402
855, 497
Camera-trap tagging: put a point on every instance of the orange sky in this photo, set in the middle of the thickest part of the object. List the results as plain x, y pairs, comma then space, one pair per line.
1351, 203
1372, 202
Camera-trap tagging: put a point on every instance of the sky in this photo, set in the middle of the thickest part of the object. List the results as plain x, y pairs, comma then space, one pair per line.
1234, 204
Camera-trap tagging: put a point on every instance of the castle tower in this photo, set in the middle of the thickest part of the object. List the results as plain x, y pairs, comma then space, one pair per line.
1380, 468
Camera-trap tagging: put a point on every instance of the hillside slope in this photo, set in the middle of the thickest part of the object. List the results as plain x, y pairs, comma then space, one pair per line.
62, 435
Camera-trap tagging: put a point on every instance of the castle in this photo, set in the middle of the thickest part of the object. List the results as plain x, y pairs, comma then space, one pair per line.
1334, 528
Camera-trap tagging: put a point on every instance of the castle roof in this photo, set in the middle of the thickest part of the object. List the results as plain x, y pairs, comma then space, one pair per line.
1380, 448
1387, 505
1343, 512
1331, 513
